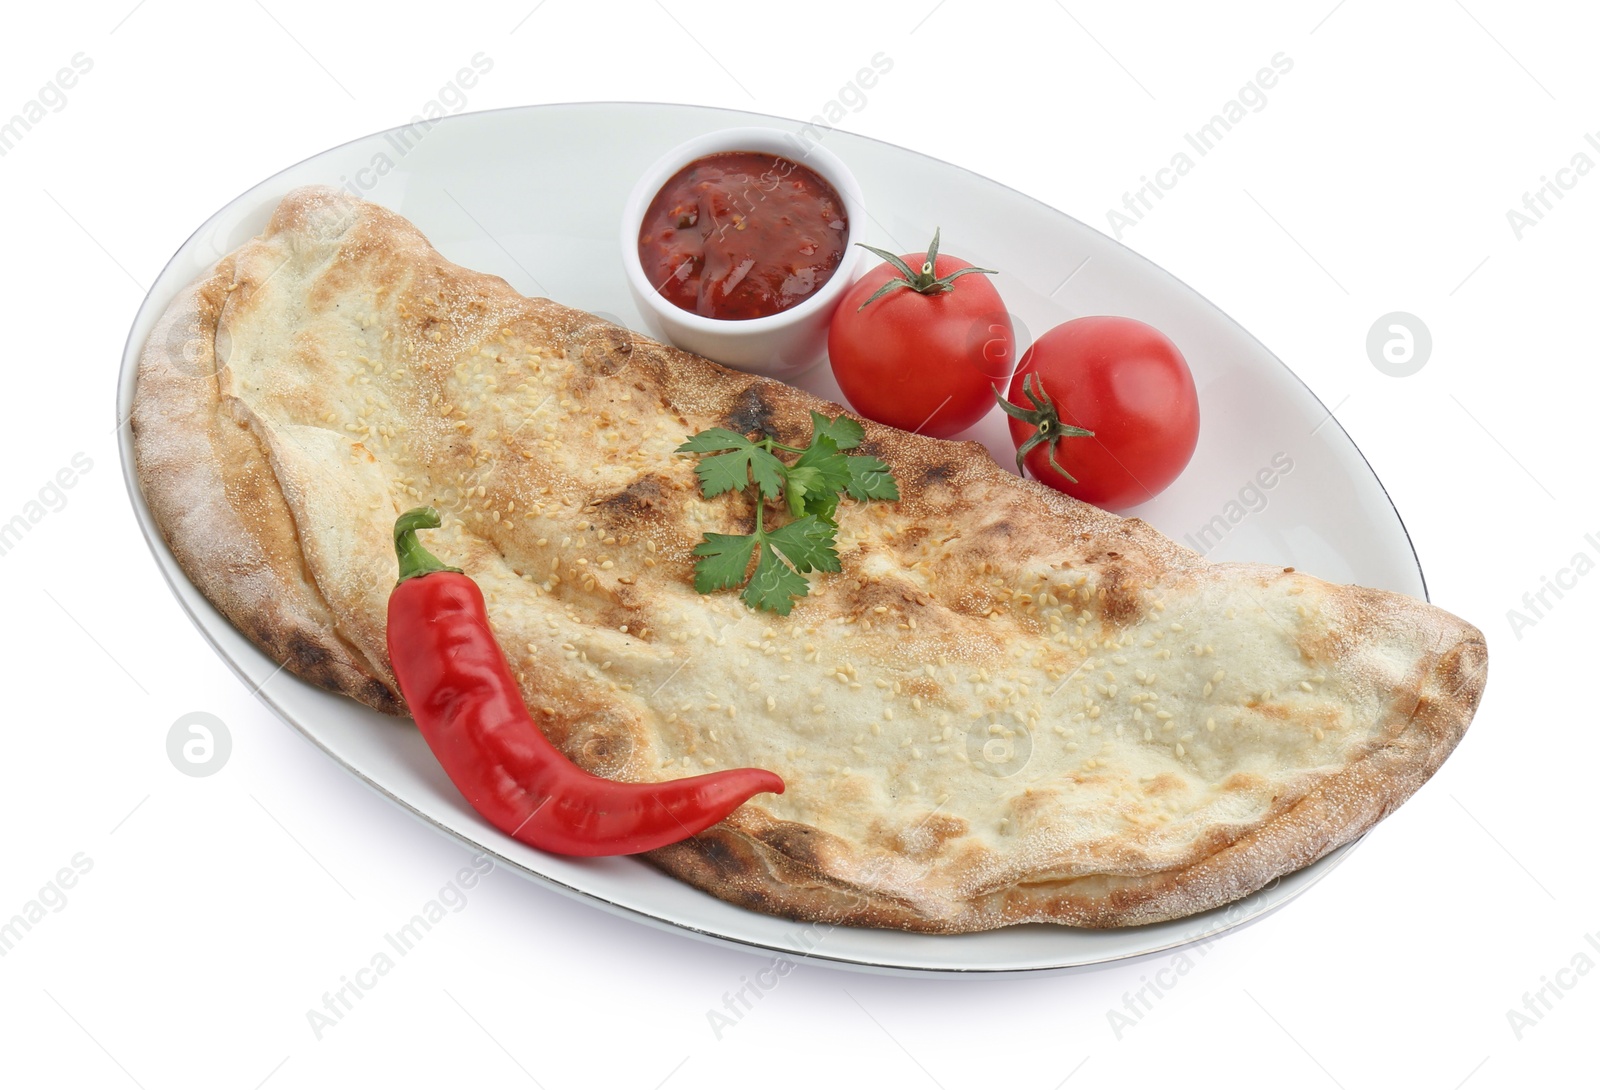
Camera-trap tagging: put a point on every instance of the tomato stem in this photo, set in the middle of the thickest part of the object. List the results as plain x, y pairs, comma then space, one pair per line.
923, 282
1046, 421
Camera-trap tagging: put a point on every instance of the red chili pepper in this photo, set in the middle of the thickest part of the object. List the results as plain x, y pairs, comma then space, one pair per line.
469, 710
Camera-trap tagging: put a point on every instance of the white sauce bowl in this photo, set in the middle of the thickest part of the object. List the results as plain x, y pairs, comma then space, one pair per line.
779, 345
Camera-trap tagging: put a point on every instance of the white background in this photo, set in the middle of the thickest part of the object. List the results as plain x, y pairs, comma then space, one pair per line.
217, 911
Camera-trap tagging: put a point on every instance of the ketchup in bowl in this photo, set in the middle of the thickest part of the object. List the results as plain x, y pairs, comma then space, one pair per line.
742, 234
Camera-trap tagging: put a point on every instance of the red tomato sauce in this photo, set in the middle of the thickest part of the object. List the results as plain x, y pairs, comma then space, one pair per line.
742, 234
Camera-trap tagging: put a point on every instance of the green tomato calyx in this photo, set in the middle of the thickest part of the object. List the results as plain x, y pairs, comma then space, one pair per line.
1046, 421
923, 282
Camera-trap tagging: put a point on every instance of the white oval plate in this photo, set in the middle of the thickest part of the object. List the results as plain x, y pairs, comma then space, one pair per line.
533, 194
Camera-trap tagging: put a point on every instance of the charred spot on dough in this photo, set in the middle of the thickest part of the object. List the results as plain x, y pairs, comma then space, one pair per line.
871, 448
936, 473
1119, 599
379, 696
306, 654
752, 412
316, 664
798, 842
721, 852
641, 499
757, 899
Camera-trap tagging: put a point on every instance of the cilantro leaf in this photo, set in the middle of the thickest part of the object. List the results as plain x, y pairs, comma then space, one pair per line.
812, 487
723, 561
728, 472
807, 543
732, 471
823, 505
775, 585
823, 475
769, 472
802, 487
714, 439
844, 432
824, 457
870, 479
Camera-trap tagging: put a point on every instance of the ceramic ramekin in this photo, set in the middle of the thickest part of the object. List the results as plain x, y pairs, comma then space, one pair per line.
780, 345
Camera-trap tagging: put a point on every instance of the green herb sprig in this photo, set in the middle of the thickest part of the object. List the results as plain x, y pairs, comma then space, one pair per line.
811, 487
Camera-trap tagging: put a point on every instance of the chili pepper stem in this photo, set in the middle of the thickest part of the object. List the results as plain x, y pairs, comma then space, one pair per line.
414, 559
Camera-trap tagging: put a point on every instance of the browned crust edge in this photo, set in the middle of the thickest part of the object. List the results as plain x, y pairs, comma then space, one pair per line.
220, 509
766, 869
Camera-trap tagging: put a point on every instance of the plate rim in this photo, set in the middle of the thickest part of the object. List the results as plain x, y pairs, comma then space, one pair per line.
168, 566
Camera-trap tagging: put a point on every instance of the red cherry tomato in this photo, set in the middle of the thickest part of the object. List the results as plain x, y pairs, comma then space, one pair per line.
1104, 409
928, 354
